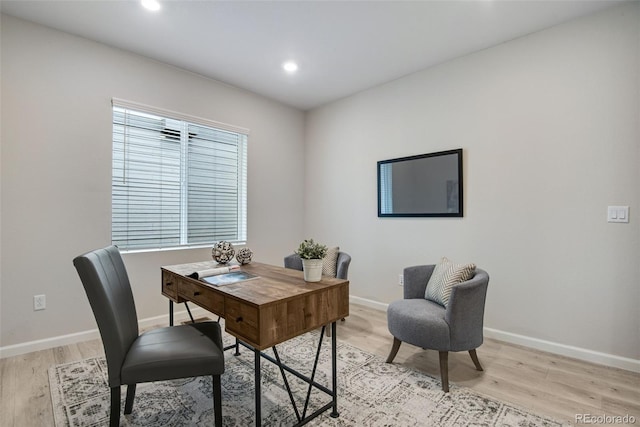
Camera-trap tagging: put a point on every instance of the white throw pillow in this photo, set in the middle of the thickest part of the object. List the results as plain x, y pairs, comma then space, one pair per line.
329, 267
446, 275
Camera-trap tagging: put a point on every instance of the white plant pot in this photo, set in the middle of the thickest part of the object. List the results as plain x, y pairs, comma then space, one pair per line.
312, 269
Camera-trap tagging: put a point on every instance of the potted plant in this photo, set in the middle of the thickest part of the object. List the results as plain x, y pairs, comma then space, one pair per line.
311, 254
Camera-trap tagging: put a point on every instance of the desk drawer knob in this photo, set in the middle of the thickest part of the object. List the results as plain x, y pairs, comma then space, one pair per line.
168, 284
238, 319
195, 294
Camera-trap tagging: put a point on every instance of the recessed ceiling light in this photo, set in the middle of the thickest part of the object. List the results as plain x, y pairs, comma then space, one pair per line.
290, 67
153, 5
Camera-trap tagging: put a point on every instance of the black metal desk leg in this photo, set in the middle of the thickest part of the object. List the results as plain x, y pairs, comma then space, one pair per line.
256, 355
170, 313
189, 311
334, 370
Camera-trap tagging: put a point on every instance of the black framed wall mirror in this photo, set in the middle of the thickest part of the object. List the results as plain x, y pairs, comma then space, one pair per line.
426, 185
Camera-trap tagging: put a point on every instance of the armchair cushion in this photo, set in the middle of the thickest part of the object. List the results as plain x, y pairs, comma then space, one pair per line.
419, 322
446, 275
329, 262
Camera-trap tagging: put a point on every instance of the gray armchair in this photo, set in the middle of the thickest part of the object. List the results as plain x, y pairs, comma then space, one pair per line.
342, 264
426, 324
160, 354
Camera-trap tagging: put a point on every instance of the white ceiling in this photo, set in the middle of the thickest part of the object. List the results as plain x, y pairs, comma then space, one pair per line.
342, 47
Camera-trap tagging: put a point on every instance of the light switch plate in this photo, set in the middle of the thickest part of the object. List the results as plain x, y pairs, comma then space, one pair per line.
618, 214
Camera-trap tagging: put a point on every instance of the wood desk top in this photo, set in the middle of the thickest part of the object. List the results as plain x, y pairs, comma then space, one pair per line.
273, 284
271, 308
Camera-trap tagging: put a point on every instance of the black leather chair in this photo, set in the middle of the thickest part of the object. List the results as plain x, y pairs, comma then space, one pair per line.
160, 354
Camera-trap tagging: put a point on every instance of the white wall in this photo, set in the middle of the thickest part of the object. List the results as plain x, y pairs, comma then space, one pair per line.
549, 124
550, 128
56, 171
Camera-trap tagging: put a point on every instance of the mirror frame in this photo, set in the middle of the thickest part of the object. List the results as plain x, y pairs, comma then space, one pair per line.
460, 198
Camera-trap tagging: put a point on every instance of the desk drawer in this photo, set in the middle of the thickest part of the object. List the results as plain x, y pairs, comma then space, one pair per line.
170, 285
203, 296
242, 319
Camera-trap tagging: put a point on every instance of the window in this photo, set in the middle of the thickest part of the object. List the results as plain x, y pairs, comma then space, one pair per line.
177, 181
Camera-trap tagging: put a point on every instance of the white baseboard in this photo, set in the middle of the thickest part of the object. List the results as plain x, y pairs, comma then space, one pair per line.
534, 343
380, 306
47, 343
565, 350
537, 344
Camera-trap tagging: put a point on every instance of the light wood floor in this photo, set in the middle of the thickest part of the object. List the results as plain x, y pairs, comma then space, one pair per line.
551, 385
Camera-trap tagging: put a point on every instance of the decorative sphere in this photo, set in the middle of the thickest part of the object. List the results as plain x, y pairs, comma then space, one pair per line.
244, 256
223, 252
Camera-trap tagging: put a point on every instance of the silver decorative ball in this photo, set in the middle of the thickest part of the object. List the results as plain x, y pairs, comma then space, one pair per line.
223, 252
244, 256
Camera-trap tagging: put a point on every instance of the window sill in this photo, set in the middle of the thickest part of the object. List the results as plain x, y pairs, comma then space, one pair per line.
177, 248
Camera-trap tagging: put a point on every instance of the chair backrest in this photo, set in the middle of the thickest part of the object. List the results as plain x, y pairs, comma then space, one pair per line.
106, 283
342, 264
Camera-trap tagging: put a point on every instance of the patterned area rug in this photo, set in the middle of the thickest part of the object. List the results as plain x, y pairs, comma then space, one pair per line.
371, 393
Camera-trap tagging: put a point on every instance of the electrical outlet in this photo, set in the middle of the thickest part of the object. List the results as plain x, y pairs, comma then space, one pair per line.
39, 302
401, 280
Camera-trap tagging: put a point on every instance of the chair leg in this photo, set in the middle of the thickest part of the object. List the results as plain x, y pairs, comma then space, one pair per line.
217, 400
474, 357
114, 416
131, 394
394, 350
444, 370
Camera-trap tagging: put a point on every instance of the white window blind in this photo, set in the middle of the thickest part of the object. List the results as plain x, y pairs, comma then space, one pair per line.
176, 182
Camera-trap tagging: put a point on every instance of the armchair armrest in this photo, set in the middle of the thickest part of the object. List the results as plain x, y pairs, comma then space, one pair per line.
465, 312
293, 261
342, 265
415, 280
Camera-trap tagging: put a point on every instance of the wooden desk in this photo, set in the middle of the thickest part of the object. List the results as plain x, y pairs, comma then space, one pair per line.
263, 312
